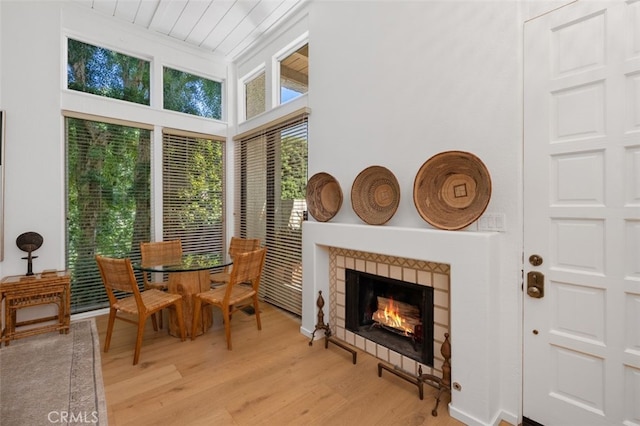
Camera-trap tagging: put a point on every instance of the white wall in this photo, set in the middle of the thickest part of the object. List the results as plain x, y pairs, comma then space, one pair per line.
34, 166
394, 83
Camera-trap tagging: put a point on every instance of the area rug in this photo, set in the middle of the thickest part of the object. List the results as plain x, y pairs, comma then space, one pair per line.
53, 379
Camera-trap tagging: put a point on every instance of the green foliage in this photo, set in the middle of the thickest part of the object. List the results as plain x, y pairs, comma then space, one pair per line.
108, 167
188, 93
103, 72
293, 171
107, 195
193, 188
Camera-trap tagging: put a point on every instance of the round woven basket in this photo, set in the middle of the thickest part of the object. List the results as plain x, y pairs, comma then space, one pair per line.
452, 189
324, 196
375, 195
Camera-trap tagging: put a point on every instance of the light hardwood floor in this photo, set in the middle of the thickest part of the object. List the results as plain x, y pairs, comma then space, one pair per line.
271, 377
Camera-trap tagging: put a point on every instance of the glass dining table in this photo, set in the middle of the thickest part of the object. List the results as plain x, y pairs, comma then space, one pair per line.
187, 277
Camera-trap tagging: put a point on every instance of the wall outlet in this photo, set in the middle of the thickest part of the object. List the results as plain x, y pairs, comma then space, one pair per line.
492, 222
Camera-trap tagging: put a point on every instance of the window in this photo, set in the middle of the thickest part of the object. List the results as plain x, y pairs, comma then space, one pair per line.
108, 209
192, 188
294, 74
109, 165
271, 177
254, 94
190, 94
103, 72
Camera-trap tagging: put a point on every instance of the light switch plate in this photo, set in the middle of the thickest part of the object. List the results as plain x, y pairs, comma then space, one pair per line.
492, 222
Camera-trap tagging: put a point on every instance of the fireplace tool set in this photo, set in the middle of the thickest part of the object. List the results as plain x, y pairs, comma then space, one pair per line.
327, 331
443, 384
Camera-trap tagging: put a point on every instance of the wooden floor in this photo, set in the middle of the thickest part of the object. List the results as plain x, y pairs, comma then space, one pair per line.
271, 377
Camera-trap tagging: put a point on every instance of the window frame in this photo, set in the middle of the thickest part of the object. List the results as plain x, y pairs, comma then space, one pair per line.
275, 67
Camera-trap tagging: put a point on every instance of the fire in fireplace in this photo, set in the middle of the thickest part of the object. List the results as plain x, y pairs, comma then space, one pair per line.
395, 314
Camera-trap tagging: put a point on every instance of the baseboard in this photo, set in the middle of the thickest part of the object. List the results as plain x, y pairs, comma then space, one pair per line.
307, 333
495, 421
507, 417
465, 418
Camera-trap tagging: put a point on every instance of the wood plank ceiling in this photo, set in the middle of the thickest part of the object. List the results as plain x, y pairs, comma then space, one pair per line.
226, 28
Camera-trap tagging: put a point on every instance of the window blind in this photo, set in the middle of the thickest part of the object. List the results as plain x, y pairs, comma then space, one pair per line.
193, 191
108, 208
271, 176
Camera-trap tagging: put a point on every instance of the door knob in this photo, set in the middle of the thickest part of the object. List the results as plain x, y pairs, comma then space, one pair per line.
534, 292
535, 284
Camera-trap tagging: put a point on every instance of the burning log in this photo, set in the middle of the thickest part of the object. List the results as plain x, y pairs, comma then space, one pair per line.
397, 315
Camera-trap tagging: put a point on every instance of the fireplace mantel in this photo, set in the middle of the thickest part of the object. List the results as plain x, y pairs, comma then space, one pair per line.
474, 260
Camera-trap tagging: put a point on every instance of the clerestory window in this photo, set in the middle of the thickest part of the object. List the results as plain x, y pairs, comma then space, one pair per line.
104, 72
191, 94
294, 74
255, 95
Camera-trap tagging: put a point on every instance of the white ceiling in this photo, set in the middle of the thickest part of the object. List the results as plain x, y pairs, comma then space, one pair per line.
222, 27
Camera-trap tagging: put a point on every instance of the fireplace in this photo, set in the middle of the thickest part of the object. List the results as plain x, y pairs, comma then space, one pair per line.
393, 313
413, 274
463, 267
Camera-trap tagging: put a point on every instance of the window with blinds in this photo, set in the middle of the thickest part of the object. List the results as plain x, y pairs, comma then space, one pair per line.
193, 191
271, 177
108, 208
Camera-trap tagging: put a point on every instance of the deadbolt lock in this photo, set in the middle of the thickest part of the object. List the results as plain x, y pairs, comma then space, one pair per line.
535, 284
535, 260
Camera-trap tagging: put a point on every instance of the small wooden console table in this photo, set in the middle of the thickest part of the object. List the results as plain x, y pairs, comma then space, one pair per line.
20, 291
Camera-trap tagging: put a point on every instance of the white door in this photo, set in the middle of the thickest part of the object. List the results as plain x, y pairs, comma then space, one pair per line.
582, 214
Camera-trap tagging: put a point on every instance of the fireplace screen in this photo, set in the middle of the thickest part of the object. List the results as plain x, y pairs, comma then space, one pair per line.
395, 314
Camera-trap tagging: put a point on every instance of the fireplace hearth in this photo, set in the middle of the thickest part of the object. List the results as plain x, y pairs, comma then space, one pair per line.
393, 313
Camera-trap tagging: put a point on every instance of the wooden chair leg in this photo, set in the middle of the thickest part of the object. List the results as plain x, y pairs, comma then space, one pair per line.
136, 353
154, 322
112, 320
160, 319
257, 309
197, 306
227, 325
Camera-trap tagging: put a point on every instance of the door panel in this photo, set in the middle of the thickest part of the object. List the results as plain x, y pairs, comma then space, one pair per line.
582, 214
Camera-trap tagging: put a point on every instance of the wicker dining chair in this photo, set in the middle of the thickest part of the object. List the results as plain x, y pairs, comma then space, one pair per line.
236, 245
247, 268
125, 298
158, 253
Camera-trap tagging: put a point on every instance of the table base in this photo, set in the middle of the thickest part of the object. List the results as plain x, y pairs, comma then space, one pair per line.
187, 284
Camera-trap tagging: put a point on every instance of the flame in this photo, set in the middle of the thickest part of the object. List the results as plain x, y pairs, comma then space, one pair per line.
392, 318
